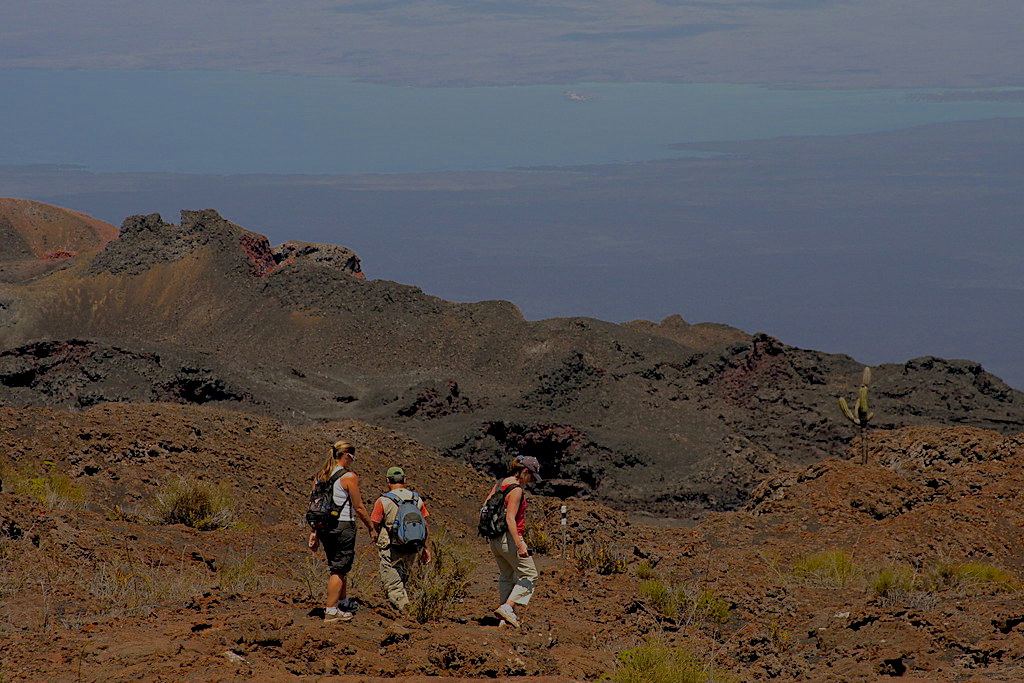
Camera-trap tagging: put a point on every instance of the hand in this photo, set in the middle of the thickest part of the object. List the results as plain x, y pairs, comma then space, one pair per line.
425, 556
314, 542
523, 551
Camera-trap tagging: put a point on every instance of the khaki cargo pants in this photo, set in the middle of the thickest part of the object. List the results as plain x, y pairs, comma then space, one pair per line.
517, 576
394, 572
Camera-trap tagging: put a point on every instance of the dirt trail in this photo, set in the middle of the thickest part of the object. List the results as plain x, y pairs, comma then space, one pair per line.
100, 594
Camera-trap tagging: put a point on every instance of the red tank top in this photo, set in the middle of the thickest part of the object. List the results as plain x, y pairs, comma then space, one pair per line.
520, 513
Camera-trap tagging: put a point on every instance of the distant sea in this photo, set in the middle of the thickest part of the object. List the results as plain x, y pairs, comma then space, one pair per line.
239, 123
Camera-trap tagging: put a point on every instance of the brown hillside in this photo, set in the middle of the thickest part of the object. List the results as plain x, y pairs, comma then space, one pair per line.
36, 238
667, 417
96, 594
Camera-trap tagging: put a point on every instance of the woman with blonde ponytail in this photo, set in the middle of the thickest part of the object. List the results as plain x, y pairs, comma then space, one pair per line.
339, 542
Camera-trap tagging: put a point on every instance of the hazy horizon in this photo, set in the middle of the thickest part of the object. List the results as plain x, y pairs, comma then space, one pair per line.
889, 245
883, 272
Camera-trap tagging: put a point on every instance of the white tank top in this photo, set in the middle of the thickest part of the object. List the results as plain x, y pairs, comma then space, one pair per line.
340, 498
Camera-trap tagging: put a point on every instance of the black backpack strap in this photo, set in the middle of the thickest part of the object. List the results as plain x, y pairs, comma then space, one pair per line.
336, 476
332, 480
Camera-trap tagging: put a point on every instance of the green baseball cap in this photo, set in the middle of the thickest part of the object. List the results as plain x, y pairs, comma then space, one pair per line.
395, 472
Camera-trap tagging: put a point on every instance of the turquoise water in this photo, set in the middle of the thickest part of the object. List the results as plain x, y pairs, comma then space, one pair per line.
230, 122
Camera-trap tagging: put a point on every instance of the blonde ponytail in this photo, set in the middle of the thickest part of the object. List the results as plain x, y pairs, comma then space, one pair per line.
339, 449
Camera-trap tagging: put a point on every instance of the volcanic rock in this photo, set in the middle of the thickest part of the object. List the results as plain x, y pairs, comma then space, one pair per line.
667, 417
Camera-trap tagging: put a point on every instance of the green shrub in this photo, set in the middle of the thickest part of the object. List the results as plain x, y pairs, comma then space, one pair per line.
888, 582
709, 607
645, 570
197, 504
53, 489
537, 539
659, 597
974, 574
919, 588
685, 603
827, 569
656, 662
435, 587
600, 557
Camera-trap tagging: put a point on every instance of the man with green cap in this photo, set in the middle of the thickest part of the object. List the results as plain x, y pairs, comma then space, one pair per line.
396, 526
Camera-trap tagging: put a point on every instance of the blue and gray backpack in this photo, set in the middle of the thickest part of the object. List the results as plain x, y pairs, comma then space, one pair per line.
409, 531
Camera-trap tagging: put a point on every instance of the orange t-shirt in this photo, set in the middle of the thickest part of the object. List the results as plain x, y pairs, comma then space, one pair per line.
377, 515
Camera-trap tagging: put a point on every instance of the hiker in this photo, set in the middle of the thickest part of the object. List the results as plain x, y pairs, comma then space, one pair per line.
517, 571
401, 536
339, 539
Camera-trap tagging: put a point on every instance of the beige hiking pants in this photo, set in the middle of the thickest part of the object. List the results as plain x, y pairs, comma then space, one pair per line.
517, 576
394, 572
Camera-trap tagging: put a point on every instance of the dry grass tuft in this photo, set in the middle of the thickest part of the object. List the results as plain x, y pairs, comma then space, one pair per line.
53, 489
132, 588
435, 587
197, 504
827, 569
537, 539
656, 662
238, 574
600, 557
686, 603
645, 570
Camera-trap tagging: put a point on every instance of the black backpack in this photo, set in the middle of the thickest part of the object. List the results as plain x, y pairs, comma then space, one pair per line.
409, 531
492, 514
322, 514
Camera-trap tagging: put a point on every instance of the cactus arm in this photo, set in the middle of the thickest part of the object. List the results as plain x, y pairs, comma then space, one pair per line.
862, 405
846, 411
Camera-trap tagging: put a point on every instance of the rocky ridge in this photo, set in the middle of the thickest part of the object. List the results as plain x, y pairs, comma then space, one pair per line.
667, 417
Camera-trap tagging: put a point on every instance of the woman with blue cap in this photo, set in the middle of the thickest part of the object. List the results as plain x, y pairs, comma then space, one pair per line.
517, 572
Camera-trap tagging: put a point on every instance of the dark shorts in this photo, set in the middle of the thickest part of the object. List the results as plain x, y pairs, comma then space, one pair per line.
340, 547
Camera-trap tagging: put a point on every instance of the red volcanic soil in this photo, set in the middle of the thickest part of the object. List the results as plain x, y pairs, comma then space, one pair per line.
35, 238
100, 593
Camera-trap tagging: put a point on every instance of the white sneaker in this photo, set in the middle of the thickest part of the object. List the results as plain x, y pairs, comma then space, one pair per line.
335, 614
507, 614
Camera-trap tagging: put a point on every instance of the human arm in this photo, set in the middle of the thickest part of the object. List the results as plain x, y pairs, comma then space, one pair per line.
489, 494
351, 483
377, 519
314, 541
426, 555
512, 501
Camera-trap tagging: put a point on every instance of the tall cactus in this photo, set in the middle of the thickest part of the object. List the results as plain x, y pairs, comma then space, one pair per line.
860, 415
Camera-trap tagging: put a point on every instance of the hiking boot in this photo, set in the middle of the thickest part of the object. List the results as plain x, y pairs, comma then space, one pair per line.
508, 615
335, 614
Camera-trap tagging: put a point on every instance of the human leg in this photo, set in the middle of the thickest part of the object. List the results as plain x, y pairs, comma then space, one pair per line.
506, 569
525, 580
394, 572
339, 547
521, 574
337, 589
